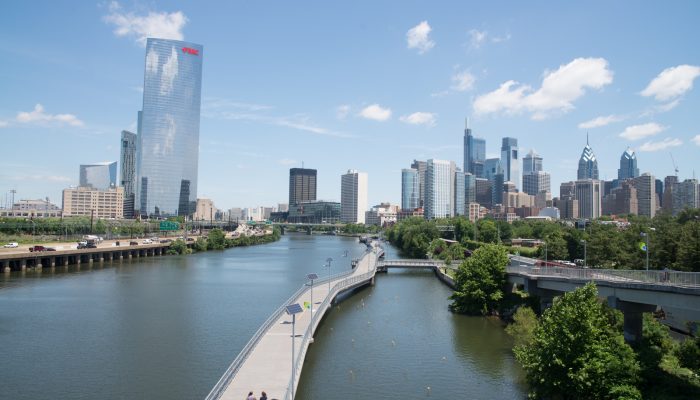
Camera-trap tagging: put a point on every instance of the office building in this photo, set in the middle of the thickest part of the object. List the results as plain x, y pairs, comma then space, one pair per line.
532, 162
484, 192
536, 182
659, 193
282, 207
621, 200
302, 185
670, 183
99, 176
459, 193
567, 190
315, 212
492, 166
204, 210
646, 195
421, 167
474, 152
168, 149
353, 197
90, 202
498, 186
686, 194
587, 164
628, 165
568, 207
382, 215
438, 189
588, 194
510, 161
410, 189
469, 188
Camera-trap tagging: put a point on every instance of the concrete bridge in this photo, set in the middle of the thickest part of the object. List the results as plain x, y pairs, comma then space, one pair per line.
266, 362
384, 266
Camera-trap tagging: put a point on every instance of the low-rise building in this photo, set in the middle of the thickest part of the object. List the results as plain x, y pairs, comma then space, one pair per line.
90, 202
39, 208
315, 212
205, 210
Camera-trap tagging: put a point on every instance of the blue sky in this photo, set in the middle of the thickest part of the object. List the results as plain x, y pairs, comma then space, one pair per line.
359, 85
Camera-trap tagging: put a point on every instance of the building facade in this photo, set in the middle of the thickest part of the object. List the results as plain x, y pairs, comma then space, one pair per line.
168, 139
204, 210
686, 194
302, 185
588, 194
459, 193
474, 153
90, 202
587, 164
484, 192
535, 182
646, 195
127, 176
532, 162
353, 197
421, 167
39, 208
469, 188
315, 212
410, 189
510, 161
438, 189
100, 176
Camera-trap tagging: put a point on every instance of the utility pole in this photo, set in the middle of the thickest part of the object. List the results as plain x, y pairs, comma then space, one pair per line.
13, 191
92, 218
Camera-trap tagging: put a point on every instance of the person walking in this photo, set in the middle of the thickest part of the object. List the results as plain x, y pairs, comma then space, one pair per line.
250, 396
263, 396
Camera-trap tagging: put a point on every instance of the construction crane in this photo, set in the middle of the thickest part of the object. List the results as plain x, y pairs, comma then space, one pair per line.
675, 167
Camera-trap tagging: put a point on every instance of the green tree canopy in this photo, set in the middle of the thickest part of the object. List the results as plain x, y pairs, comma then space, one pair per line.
480, 280
576, 353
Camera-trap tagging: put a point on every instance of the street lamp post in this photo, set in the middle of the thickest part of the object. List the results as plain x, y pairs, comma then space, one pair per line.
293, 310
329, 260
311, 277
585, 255
645, 235
545, 254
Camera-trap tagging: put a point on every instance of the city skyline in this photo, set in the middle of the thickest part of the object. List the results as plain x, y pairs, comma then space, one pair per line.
75, 92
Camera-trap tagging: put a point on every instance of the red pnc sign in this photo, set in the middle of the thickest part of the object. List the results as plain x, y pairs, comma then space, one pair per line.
190, 50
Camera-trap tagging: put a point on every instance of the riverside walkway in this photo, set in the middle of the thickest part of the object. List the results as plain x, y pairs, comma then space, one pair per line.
265, 363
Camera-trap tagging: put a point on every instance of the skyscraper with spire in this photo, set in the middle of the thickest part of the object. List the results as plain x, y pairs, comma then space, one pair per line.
628, 165
587, 164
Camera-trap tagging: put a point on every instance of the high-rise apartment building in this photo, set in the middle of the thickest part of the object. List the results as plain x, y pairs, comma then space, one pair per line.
536, 182
510, 161
568, 208
587, 164
302, 185
646, 195
532, 162
90, 202
127, 178
686, 194
588, 194
353, 197
421, 167
628, 165
474, 152
99, 176
621, 200
439, 179
484, 192
168, 151
670, 183
410, 182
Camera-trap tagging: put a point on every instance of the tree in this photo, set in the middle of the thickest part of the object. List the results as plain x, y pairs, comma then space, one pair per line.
523, 326
576, 353
556, 246
689, 247
488, 233
216, 239
480, 281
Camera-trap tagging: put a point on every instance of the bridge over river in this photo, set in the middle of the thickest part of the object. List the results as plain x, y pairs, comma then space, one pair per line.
266, 362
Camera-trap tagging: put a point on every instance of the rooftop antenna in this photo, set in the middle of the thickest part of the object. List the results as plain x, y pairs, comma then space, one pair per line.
586, 138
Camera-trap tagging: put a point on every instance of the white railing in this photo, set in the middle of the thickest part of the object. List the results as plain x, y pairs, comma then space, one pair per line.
665, 278
220, 387
337, 288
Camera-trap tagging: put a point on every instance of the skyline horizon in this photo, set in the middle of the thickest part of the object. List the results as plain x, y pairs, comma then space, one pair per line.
350, 110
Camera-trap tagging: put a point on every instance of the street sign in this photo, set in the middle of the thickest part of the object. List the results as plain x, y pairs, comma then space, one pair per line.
169, 226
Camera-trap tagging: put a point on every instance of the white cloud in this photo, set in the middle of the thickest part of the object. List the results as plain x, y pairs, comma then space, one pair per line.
635, 132
672, 82
656, 146
419, 118
38, 115
477, 38
376, 112
287, 161
342, 111
418, 38
696, 140
559, 90
162, 25
462, 81
600, 121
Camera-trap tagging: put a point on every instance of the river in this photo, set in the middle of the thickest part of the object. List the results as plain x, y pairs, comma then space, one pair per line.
167, 328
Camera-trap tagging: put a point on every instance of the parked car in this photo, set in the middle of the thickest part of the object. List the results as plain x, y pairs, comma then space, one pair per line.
11, 245
133, 243
37, 248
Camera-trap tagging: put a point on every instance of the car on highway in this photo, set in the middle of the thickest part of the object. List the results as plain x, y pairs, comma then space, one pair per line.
166, 241
147, 241
11, 245
37, 248
132, 243
49, 249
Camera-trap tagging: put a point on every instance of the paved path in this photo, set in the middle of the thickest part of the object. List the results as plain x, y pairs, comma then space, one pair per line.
268, 365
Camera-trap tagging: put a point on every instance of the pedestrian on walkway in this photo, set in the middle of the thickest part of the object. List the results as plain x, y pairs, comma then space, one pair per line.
263, 396
250, 396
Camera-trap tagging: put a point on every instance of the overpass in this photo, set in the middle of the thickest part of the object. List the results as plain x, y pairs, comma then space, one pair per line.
266, 361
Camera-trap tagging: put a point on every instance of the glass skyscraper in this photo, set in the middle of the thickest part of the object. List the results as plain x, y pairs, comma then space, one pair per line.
410, 183
510, 162
587, 164
438, 190
628, 165
169, 128
474, 153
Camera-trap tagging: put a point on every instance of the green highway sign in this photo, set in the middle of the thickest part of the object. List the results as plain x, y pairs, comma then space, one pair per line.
169, 226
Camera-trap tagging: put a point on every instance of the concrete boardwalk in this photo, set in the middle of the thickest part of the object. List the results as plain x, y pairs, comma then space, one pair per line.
266, 362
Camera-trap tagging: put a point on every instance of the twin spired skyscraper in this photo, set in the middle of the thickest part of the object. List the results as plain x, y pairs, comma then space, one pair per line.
168, 137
